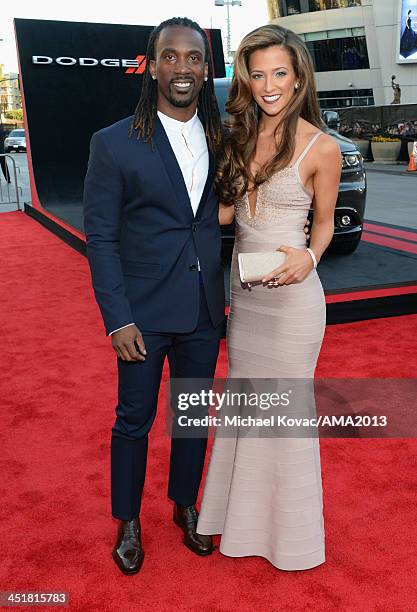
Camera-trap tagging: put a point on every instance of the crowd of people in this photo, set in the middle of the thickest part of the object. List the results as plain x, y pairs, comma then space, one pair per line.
367, 129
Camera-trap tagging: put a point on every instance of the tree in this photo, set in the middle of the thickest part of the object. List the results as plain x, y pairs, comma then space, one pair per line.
14, 114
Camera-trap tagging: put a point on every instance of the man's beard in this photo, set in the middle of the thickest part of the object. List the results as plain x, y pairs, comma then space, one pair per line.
182, 102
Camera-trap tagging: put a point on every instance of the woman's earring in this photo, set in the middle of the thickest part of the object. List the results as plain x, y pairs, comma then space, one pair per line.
297, 85
154, 77
206, 78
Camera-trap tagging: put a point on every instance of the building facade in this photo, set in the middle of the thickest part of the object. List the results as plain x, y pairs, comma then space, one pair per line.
10, 98
355, 47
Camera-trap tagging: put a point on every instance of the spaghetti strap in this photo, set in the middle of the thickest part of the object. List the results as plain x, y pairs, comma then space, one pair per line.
307, 149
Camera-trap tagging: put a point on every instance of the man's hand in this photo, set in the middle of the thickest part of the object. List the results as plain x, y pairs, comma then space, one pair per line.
307, 229
125, 341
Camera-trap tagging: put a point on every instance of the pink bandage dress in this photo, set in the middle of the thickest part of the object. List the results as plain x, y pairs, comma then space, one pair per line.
264, 495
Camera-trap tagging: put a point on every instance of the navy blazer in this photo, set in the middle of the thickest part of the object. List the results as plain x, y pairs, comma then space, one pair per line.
142, 238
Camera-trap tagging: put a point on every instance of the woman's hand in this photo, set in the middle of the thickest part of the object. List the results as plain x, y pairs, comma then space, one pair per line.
295, 269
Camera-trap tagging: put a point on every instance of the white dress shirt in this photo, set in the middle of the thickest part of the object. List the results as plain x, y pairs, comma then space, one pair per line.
189, 144
188, 141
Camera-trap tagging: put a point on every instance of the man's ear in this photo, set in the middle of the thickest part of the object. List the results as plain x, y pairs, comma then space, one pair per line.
152, 68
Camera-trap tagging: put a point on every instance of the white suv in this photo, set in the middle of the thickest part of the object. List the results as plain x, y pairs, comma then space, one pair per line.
16, 141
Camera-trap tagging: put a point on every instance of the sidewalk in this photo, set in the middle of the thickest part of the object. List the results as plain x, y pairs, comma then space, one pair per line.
398, 168
23, 182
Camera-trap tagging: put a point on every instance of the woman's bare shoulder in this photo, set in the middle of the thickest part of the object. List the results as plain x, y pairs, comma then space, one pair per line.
326, 155
327, 146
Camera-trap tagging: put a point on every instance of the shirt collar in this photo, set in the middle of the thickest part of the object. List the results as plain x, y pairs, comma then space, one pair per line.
177, 126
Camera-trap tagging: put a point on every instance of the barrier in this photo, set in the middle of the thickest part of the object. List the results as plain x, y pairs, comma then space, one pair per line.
8, 183
395, 120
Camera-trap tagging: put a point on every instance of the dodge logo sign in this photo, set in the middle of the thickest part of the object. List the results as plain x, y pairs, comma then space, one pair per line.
139, 62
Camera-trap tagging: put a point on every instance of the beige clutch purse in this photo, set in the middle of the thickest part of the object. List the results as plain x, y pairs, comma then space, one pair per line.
255, 266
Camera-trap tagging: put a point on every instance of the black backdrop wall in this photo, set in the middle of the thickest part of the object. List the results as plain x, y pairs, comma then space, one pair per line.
65, 101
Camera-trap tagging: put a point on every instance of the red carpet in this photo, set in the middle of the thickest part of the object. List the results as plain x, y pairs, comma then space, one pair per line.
58, 394
392, 237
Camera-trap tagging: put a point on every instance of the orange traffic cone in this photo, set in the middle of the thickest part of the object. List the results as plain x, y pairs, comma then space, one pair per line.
412, 164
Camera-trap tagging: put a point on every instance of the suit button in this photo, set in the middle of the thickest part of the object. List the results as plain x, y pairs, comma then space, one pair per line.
194, 227
193, 268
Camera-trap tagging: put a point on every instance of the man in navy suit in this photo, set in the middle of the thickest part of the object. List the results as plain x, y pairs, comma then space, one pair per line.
153, 245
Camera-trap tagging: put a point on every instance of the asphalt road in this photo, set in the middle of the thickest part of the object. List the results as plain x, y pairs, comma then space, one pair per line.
391, 197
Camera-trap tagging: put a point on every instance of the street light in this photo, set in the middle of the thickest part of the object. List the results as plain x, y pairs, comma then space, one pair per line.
228, 3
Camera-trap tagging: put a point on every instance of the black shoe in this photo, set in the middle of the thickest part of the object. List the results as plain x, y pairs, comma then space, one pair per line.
128, 552
186, 518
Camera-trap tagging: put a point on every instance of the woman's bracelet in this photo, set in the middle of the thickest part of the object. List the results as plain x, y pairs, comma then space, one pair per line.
313, 257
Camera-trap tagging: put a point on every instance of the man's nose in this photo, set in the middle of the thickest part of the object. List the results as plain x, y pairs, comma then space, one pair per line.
182, 66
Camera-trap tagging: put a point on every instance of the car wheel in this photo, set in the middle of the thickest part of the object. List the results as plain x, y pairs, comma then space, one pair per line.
345, 248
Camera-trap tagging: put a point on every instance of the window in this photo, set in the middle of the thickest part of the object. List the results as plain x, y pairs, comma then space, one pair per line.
344, 98
293, 7
315, 35
344, 33
339, 53
323, 5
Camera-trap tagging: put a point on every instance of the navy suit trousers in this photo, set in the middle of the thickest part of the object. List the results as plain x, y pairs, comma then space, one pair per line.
190, 355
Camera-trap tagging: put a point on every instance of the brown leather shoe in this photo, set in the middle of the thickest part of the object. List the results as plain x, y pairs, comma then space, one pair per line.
186, 518
128, 552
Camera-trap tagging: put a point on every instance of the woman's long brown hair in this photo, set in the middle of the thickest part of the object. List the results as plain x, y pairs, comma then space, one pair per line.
233, 170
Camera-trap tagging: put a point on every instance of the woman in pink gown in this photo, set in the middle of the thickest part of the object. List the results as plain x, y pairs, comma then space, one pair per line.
264, 494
